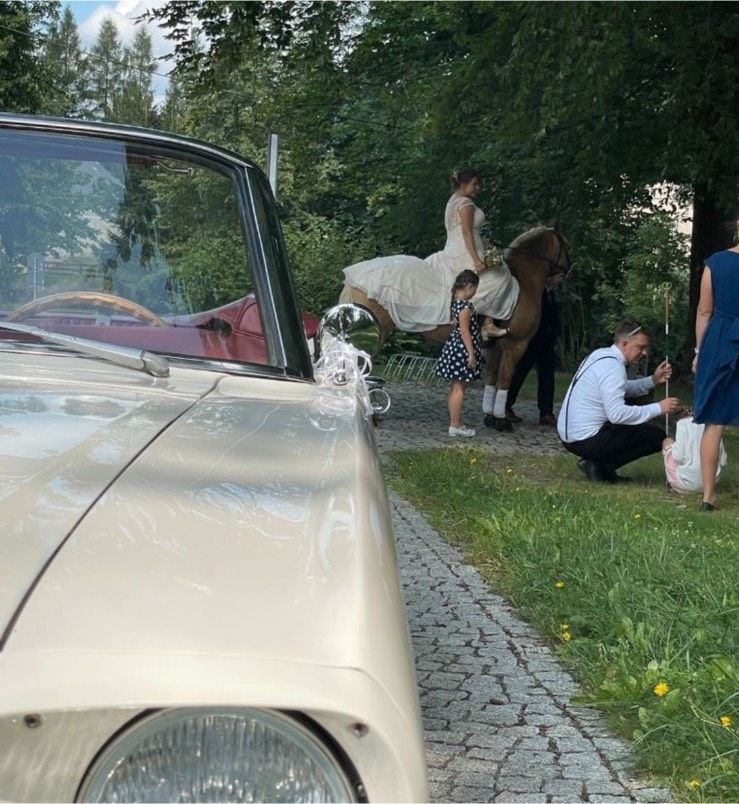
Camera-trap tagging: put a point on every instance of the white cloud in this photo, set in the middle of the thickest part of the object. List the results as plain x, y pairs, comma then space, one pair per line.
124, 14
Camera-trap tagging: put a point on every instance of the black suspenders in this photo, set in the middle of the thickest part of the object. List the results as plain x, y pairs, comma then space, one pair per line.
577, 376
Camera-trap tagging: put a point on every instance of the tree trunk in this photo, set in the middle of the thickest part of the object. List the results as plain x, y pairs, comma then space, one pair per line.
713, 230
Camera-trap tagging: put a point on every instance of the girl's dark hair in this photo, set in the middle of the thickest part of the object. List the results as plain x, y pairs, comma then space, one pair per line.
462, 281
463, 175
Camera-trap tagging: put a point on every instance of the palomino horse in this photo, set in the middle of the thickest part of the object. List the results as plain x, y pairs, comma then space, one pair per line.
532, 258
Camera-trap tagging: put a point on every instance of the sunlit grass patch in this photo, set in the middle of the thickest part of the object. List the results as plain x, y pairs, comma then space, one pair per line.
633, 587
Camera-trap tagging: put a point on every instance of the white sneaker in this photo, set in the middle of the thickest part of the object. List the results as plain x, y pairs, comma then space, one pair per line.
463, 432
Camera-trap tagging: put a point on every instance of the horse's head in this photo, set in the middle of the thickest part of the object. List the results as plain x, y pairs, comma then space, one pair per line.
562, 264
545, 245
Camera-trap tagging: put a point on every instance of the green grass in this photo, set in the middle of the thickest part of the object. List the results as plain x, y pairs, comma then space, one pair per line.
636, 590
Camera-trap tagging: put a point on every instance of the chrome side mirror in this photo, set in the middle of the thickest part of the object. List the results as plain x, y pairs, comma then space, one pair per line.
356, 325
353, 324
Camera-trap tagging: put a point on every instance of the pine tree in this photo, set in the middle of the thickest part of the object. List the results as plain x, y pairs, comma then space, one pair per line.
133, 102
106, 69
66, 67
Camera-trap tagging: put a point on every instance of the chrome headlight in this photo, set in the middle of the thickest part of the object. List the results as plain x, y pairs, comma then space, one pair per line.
228, 754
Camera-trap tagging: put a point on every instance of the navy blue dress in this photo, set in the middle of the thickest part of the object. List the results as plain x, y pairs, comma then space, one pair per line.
452, 363
716, 392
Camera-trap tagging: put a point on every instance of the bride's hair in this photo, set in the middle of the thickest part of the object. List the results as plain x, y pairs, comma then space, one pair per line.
463, 175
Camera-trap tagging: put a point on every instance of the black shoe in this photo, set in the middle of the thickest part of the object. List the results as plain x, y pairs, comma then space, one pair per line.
610, 476
548, 420
706, 506
590, 470
512, 416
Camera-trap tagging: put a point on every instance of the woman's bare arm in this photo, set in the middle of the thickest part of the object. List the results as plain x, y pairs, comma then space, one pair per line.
467, 219
705, 310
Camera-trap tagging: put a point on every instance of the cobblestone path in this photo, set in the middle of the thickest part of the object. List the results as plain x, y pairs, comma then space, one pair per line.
498, 716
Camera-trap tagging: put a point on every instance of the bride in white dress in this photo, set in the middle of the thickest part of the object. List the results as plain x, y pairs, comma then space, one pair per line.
416, 292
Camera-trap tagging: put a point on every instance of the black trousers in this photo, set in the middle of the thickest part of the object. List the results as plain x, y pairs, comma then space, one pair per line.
615, 445
540, 352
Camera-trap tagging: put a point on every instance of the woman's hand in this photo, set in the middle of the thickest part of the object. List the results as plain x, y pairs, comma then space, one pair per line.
471, 360
478, 265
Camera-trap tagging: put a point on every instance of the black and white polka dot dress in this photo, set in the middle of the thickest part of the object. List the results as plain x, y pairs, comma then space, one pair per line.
452, 363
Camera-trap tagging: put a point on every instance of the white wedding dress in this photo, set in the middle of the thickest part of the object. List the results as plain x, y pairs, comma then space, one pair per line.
417, 293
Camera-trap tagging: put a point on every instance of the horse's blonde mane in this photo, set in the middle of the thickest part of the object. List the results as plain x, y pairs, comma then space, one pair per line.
525, 239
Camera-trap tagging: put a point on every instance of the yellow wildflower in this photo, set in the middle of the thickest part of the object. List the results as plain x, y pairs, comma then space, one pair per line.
726, 721
473, 460
661, 689
564, 627
637, 516
508, 470
559, 584
566, 635
694, 783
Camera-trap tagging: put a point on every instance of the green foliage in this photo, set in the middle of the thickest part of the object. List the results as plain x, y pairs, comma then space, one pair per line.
573, 113
22, 80
319, 249
635, 592
655, 288
36, 223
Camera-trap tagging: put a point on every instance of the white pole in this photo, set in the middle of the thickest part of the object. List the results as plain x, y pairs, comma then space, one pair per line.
272, 145
667, 335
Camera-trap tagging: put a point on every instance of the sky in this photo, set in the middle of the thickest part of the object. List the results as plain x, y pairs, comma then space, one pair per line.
89, 14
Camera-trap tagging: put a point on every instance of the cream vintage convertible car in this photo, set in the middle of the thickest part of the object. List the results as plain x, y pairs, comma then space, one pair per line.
199, 596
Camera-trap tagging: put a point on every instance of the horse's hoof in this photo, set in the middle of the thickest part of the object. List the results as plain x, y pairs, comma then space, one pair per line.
503, 425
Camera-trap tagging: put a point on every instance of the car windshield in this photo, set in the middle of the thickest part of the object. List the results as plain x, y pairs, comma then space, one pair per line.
126, 243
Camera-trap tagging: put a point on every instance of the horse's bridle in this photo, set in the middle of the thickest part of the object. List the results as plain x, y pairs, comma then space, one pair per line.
554, 266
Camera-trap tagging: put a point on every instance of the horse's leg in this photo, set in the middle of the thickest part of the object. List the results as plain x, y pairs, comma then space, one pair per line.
512, 352
492, 360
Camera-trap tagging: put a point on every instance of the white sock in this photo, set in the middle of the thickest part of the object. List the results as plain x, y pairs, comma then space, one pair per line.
500, 399
488, 399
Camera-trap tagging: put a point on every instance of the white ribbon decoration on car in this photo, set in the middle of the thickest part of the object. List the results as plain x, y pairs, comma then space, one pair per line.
340, 375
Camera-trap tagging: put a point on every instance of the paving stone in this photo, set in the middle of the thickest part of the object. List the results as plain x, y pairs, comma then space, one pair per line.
436, 698
519, 784
567, 789
533, 744
606, 788
466, 794
594, 771
471, 647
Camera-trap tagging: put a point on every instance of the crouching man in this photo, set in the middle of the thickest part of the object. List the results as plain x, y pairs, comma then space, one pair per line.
596, 424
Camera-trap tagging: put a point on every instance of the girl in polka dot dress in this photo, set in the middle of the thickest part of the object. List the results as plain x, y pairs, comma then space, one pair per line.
461, 356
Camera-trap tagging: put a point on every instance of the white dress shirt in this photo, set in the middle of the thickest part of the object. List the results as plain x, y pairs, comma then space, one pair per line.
596, 396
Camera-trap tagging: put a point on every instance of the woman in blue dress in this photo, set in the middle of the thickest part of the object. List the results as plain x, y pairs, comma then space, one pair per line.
716, 364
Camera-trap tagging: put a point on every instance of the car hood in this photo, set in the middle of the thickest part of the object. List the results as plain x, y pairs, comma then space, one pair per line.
62, 444
255, 528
